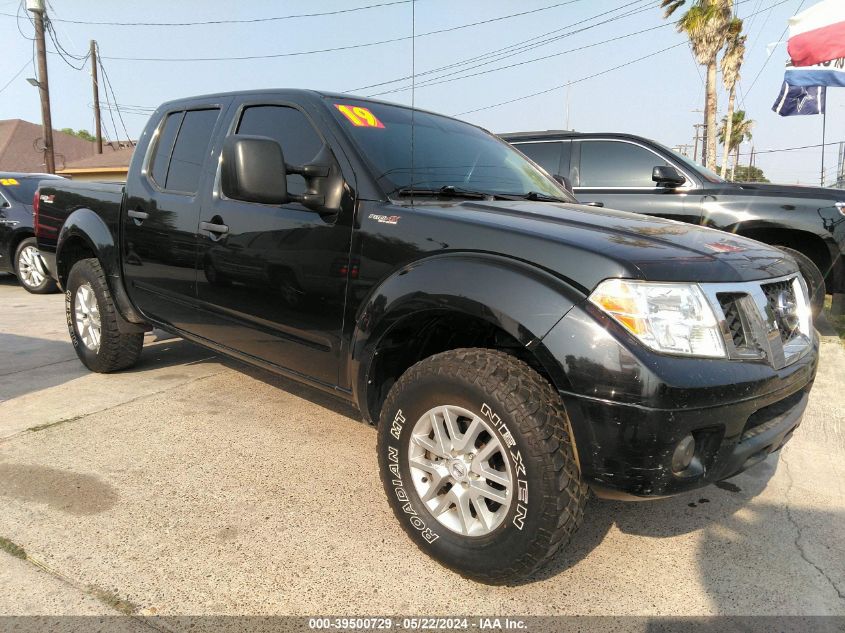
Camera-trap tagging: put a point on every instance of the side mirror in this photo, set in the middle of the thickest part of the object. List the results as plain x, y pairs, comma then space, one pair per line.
667, 176
253, 170
324, 181
563, 180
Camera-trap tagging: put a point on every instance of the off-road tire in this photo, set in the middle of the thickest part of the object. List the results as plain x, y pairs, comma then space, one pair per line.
47, 285
812, 275
117, 350
495, 386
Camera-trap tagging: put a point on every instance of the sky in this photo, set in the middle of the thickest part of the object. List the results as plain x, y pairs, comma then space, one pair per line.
659, 96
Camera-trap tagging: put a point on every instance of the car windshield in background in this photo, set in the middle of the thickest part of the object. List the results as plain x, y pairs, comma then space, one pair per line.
711, 176
23, 190
446, 153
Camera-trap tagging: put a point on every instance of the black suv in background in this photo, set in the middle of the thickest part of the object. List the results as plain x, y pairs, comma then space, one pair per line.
628, 172
18, 252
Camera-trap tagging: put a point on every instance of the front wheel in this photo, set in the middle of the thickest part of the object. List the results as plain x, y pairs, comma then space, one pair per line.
92, 321
31, 270
476, 459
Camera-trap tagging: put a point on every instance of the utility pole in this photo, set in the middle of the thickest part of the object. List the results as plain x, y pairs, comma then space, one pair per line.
98, 128
36, 7
698, 134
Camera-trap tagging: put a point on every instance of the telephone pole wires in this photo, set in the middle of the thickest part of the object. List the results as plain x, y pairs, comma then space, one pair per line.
36, 7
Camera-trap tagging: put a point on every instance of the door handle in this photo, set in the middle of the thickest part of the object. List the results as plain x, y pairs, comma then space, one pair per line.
138, 216
595, 204
221, 229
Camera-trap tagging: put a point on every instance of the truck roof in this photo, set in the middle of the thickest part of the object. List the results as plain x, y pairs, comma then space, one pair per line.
295, 92
556, 134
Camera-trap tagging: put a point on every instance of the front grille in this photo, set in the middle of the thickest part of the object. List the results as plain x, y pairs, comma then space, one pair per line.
762, 319
733, 320
784, 306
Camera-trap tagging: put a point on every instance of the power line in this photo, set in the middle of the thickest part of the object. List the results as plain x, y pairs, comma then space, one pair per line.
343, 48
249, 21
435, 82
17, 74
506, 51
511, 50
765, 63
574, 81
107, 83
790, 149
442, 79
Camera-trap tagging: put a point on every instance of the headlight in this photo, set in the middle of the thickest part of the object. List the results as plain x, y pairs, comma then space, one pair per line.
673, 318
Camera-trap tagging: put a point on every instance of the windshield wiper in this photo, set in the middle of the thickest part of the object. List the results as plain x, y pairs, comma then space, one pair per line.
542, 197
447, 191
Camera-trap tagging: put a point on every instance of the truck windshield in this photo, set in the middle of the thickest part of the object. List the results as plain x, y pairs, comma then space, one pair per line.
446, 153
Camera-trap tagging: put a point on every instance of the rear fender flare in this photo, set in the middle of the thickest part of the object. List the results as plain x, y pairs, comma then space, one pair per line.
86, 225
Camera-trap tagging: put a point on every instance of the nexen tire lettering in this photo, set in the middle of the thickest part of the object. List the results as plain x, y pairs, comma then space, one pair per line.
519, 465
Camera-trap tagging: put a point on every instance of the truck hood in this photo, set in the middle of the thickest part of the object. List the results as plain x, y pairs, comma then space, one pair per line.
587, 244
795, 191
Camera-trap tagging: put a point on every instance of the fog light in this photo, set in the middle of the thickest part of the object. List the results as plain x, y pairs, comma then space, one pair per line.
684, 452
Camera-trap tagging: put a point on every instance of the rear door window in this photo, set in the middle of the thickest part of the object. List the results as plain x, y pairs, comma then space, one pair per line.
616, 164
164, 146
190, 151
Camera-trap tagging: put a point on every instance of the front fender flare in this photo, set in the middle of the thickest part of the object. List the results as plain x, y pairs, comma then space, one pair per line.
519, 298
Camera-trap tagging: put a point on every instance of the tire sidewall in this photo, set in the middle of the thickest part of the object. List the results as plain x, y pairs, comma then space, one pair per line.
516, 534
81, 274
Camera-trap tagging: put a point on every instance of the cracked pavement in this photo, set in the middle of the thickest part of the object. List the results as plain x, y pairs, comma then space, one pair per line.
196, 485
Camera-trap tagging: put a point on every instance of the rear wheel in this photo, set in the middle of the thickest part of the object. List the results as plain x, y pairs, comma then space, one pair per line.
476, 459
812, 276
30, 269
92, 321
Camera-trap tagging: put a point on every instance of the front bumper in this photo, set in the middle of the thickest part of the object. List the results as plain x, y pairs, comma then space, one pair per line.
629, 408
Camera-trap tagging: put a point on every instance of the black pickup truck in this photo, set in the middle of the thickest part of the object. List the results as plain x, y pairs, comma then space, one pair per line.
514, 348
630, 172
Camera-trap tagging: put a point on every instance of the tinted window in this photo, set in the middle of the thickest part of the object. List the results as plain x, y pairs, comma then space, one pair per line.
446, 152
190, 151
547, 155
616, 164
23, 191
300, 142
164, 145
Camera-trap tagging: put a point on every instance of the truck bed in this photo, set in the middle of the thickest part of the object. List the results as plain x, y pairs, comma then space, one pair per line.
58, 199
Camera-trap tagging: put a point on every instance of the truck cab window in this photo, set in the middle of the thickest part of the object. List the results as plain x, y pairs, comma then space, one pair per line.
164, 145
190, 151
616, 164
546, 155
291, 128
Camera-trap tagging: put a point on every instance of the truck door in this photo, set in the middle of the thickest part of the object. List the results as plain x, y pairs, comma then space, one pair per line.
616, 174
161, 216
272, 279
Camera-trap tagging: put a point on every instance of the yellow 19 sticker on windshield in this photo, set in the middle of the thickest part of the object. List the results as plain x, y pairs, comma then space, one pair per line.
9, 182
358, 116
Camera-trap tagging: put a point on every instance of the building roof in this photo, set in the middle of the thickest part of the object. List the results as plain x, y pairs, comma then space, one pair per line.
110, 160
19, 141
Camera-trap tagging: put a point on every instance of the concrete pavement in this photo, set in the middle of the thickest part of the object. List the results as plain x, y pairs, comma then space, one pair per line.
194, 485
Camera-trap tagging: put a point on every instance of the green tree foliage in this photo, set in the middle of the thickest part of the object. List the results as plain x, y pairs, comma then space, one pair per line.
83, 134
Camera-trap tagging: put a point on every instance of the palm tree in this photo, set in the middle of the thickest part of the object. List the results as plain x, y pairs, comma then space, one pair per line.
740, 131
731, 63
706, 24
